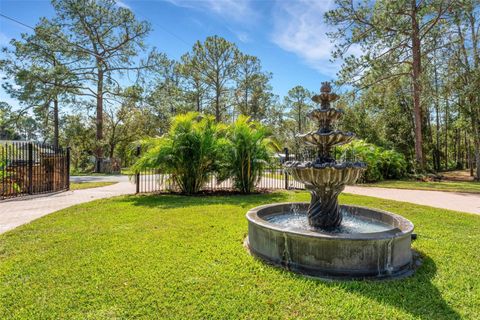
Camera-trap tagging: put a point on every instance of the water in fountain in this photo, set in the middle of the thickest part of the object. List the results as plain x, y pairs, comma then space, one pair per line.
350, 223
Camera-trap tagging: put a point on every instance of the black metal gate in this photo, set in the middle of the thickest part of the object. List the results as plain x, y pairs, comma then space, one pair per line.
28, 168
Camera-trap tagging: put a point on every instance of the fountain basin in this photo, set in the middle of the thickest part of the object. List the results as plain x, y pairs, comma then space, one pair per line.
356, 255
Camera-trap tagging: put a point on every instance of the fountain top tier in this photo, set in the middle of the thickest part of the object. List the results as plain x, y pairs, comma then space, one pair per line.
325, 115
325, 137
326, 96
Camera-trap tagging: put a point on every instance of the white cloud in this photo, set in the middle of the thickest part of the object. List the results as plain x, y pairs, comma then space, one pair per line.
240, 35
236, 10
299, 28
122, 4
239, 14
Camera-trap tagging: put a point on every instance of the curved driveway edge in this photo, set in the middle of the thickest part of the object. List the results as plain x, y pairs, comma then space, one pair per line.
17, 212
457, 201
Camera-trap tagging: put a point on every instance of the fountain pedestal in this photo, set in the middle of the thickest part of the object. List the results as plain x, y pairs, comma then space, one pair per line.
323, 211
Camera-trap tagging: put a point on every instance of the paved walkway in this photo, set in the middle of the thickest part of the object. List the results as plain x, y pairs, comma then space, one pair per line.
110, 178
17, 212
14, 213
466, 202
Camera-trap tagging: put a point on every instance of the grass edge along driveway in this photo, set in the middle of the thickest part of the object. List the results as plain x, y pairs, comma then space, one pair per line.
90, 185
448, 186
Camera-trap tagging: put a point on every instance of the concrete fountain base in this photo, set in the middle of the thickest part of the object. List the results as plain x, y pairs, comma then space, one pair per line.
332, 255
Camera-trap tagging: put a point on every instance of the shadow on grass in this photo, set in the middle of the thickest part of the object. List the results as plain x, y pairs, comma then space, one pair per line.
416, 294
171, 201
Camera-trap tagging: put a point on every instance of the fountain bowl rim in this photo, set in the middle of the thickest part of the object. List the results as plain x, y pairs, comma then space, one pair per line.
404, 226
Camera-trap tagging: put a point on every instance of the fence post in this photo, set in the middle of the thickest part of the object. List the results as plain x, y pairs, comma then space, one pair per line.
137, 175
30, 168
286, 173
67, 175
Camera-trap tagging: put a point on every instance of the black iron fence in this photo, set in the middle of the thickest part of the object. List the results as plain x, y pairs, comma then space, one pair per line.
28, 168
273, 177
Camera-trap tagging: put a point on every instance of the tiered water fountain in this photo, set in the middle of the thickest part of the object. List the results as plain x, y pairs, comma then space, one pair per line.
323, 238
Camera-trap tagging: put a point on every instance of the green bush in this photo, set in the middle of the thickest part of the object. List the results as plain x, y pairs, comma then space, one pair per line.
246, 153
381, 164
190, 151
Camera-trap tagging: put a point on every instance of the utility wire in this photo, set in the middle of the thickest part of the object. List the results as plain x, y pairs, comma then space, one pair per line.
51, 34
16, 21
80, 47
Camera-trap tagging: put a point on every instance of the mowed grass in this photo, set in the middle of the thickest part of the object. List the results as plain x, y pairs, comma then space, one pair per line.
150, 257
89, 185
451, 186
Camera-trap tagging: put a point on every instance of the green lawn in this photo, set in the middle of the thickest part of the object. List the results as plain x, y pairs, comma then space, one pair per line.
452, 186
88, 185
169, 256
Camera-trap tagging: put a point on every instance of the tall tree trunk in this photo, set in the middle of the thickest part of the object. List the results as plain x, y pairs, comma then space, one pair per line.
99, 120
417, 87
477, 157
112, 149
460, 151
476, 144
475, 107
218, 117
299, 118
437, 118
455, 148
55, 113
446, 133
429, 135
468, 154
246, 101
55, 122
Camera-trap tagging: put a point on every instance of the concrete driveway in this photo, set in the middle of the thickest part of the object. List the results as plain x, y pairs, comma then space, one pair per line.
458, 201
14, 213
109, 178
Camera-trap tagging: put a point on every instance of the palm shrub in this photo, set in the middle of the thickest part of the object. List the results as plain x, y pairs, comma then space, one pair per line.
246, 153
381, 164
393, 165
190, 151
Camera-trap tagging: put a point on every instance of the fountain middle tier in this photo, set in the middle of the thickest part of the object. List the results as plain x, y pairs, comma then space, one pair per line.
326, 139
325, 116
325, 174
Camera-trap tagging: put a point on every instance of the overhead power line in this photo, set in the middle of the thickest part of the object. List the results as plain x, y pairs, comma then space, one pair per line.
51, 34
80, 47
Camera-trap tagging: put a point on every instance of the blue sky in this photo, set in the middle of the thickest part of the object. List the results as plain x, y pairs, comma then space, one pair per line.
288, 36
